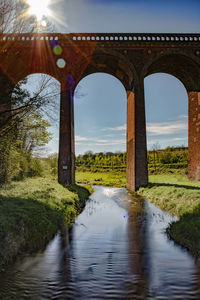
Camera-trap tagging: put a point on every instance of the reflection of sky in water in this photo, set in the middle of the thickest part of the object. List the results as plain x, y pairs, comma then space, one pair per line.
171, 267
105, 258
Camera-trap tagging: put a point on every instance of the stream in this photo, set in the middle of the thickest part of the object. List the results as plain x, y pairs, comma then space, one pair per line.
116, 249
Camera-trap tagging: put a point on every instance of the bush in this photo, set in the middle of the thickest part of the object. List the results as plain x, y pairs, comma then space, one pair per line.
35, 167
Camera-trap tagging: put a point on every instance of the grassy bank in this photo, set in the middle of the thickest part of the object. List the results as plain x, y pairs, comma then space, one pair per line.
31, 212
171, 192
181, 197
117, 179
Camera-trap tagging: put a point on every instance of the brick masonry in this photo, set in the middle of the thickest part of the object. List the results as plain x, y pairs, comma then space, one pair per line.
194, 134
129, 57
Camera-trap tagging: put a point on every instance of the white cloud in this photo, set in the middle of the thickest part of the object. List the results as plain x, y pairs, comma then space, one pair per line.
90, 141
79, 138
166, 128
162, 128
117, 128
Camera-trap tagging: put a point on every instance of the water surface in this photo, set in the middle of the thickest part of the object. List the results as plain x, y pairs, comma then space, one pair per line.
117, 249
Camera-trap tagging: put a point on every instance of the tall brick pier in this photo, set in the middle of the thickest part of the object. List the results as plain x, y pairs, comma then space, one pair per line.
129, 57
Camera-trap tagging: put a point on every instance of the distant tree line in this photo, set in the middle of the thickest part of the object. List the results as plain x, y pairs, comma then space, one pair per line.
158, 159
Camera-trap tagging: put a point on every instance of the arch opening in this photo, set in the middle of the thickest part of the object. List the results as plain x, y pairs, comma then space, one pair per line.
167, 123
100, 123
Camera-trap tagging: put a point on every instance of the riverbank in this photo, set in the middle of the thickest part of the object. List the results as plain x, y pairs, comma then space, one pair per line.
180, 197
171, 192
32, 211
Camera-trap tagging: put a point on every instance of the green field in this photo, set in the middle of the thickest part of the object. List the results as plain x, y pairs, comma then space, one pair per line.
117, 179
171, 192
32, 211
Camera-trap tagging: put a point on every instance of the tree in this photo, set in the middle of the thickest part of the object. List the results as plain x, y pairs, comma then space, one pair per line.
14, 18
32, 133
17, 147
155, 148
22, 126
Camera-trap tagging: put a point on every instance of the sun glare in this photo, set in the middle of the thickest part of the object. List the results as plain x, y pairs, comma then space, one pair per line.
39, 8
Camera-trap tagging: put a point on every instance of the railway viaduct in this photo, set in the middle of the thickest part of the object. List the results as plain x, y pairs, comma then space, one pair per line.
130, 58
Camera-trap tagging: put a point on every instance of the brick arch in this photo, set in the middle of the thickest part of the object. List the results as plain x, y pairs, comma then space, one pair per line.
186, 68
182, 66
27, 74
128, 56
110, 62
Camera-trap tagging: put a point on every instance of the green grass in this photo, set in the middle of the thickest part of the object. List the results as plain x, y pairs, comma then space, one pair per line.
32, 211
117, 179
174, 193
181, 197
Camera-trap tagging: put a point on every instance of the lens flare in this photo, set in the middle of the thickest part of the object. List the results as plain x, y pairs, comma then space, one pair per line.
61, 63
57, 50
44, 23
39, 8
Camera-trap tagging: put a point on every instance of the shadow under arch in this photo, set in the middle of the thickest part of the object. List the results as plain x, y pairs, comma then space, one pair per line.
186, 68
110, 62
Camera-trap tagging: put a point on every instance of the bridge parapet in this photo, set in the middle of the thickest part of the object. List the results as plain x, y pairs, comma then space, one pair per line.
103, 37
139, 37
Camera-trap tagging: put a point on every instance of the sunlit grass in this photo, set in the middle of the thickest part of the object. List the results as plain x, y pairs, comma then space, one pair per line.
117, 179
174, 193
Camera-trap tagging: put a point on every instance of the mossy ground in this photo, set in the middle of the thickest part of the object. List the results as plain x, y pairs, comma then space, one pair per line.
32, 211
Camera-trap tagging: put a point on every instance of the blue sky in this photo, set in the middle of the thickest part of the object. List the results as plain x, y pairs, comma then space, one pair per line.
100, 100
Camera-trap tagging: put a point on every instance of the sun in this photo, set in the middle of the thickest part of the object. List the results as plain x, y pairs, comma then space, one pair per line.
39, 8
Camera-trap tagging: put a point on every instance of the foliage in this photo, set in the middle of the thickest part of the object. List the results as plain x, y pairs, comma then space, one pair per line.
101, 161
14, 17
32, 132
171, 159
15, 101
16, 148
52, 161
